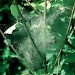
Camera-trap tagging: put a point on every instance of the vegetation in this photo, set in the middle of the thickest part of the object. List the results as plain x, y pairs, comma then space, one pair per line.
37, 37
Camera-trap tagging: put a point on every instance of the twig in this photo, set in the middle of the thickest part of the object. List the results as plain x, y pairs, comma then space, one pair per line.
58, 66
71, 34
33, 7
45, 5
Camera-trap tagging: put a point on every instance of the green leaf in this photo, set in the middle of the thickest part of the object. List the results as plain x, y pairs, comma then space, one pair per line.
14, 11
48, 38
69, 58
39, 7
67, 70
41, 71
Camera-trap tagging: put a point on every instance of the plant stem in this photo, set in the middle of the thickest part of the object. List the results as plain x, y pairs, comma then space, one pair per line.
33, 7
45, 5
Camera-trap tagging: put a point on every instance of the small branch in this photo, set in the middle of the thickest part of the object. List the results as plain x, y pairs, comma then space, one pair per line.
45, 5
69, 44
58, 66
33, 7
71, 34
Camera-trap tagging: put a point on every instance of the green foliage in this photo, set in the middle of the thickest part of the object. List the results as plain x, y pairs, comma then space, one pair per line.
39, 7
37, 43
14, 10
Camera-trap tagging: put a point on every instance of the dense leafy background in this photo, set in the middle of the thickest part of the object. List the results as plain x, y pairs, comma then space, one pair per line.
48, 38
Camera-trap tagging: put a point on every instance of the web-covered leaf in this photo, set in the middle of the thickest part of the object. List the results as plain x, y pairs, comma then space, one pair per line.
47, 37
